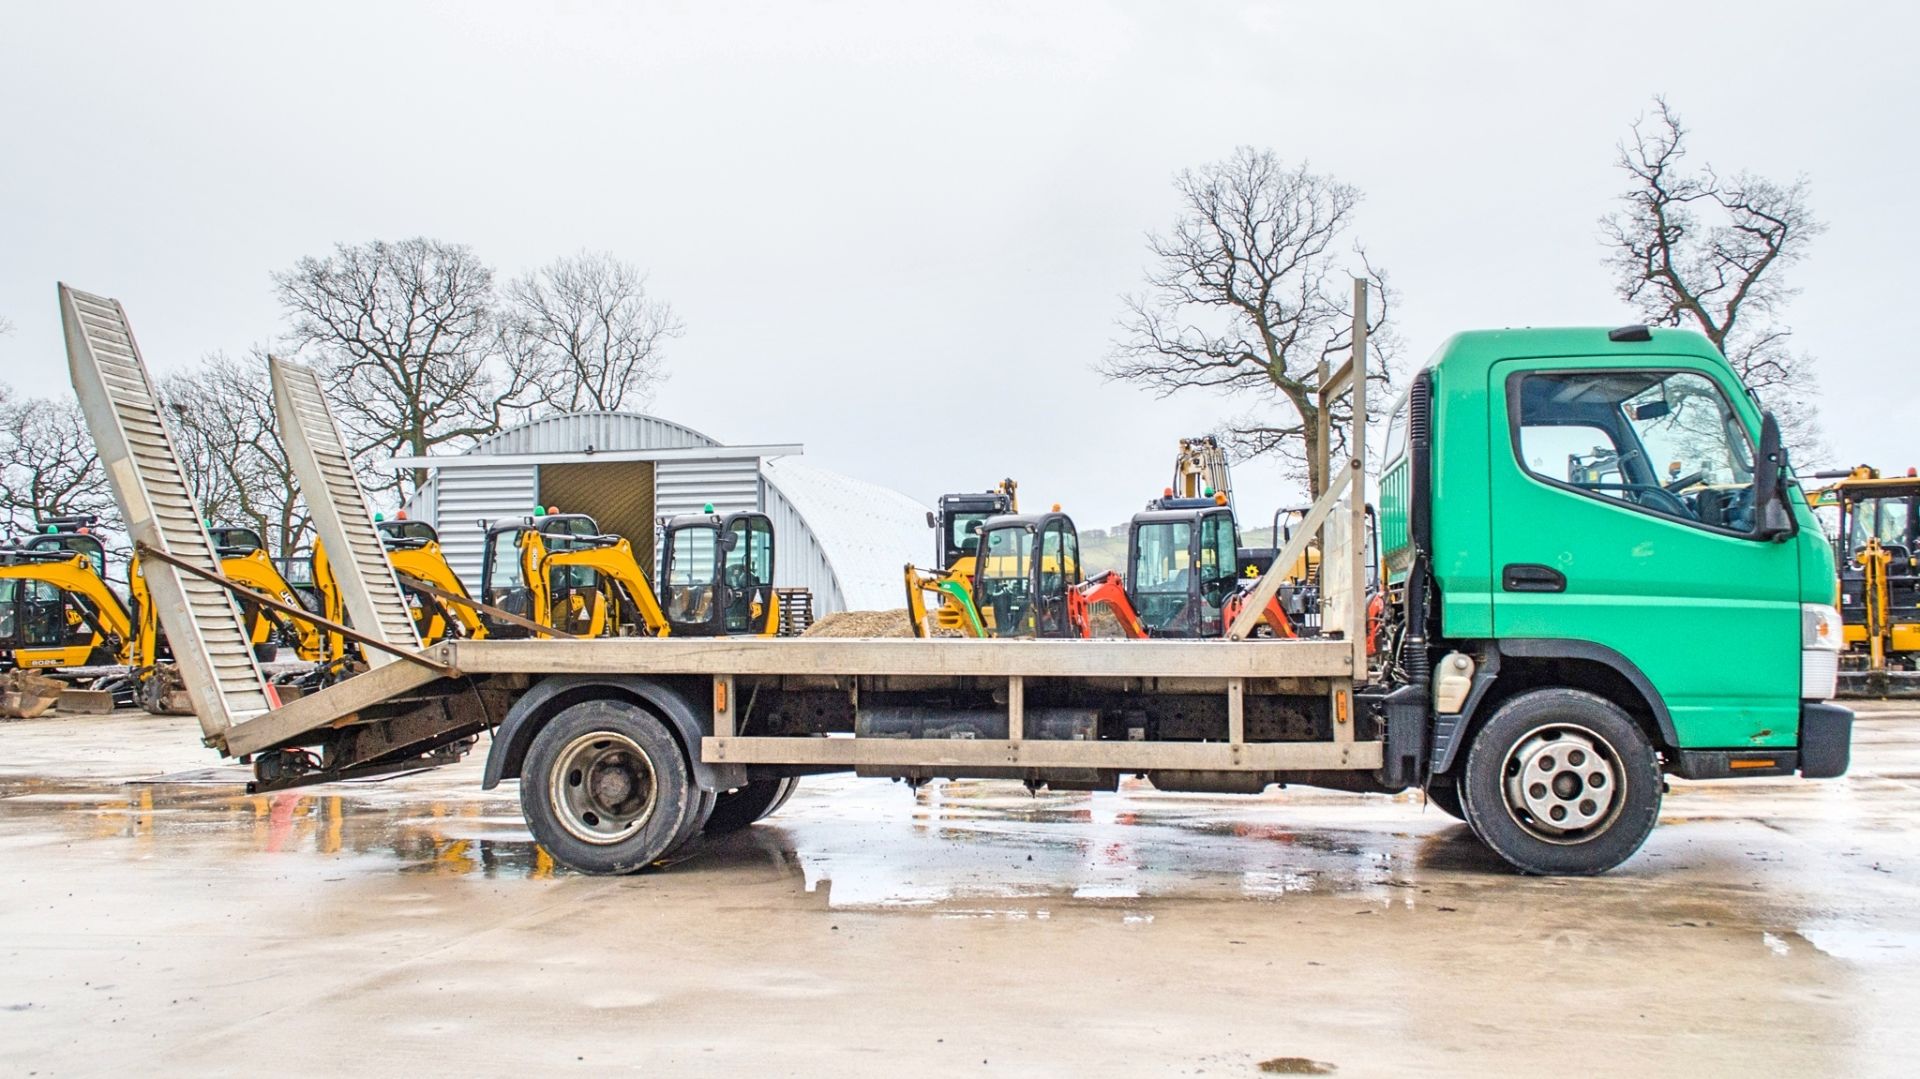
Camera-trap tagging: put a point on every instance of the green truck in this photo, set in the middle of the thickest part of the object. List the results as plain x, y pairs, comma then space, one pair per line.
1596, 572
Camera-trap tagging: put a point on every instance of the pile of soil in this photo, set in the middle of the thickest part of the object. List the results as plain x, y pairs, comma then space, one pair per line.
892, 623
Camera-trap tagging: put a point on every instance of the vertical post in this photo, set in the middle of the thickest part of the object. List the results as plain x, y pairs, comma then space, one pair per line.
1357, 486
723, 713
1236, 711
1016, 708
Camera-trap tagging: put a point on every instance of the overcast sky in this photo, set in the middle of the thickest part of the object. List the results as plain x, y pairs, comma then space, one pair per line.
898, 233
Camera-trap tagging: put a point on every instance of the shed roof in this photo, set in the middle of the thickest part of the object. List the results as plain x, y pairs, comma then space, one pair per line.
867, 531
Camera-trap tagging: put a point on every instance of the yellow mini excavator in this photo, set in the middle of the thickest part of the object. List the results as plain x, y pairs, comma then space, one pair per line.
56, 608
559, 570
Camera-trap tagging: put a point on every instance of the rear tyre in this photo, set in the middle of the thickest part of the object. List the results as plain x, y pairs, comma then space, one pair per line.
758, 800
1443, 793
606, 789
1561, 782
696, 820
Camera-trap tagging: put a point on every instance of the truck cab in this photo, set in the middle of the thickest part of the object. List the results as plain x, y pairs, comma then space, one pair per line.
1593, 542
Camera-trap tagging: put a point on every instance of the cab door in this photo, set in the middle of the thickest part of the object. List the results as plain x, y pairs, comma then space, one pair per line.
1621, 495
747, 574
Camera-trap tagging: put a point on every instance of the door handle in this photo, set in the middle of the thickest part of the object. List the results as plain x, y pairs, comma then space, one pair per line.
1528, 577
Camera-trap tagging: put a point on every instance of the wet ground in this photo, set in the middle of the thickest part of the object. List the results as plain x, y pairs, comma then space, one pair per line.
154, 918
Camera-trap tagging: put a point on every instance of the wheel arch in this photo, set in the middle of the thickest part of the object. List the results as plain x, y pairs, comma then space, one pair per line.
1519, 665
678, 702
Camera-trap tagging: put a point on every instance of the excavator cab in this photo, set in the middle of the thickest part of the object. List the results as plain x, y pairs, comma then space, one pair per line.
234, 540
956, 524
718, 573
74, 534
1183, 568
1027, 565
509, 558
403, 534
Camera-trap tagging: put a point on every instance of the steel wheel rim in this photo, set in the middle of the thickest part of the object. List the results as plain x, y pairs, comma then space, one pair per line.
602, 788
1562, 784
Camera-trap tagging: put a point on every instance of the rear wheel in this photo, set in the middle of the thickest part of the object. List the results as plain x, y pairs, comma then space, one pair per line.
1561, 782
605, 788
758, 800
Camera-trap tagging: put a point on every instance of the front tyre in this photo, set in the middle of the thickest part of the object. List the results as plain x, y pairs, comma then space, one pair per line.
606, 789
1561, 782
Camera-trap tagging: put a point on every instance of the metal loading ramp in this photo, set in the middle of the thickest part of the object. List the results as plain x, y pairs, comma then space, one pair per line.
318, 453
204, 627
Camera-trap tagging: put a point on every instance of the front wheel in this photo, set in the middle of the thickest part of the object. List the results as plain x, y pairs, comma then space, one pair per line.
605, 788
1561, 782
1443, 792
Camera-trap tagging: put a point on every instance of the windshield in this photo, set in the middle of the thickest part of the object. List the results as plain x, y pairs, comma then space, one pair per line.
961, 537
1890, 519
1162, 565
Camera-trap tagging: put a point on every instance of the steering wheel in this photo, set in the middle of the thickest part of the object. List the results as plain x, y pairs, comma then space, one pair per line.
1641, 493
736, 578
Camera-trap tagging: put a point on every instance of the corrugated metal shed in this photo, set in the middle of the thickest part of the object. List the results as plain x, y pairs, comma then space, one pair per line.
459, 500
843, 538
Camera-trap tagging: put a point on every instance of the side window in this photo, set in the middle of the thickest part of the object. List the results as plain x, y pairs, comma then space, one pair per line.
1395, 444
1666, 442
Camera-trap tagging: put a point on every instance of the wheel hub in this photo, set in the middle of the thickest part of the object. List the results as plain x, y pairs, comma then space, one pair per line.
1561, 783
602, 787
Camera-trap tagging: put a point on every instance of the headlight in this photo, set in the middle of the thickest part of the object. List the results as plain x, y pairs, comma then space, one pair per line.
1819, 627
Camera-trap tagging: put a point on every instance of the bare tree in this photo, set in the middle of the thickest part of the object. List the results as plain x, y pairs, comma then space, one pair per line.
1250, 293
588, 333
229, 442
1701, 249
411, 341
49, 466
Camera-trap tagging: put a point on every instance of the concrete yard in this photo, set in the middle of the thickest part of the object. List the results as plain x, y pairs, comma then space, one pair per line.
155, 919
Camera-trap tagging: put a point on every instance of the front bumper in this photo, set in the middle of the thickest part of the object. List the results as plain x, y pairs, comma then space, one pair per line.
1826, 739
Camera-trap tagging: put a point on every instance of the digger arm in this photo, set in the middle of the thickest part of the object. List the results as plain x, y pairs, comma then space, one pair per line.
1274, 615
919, 582
256, 571
428, 563
1873, 560
615, 563
1109, 589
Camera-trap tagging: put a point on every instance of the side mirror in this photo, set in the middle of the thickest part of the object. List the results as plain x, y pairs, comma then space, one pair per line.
932, 521
729, 540
1771, 517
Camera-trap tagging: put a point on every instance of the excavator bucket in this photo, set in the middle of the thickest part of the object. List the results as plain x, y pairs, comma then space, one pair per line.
208, 635
375, 605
